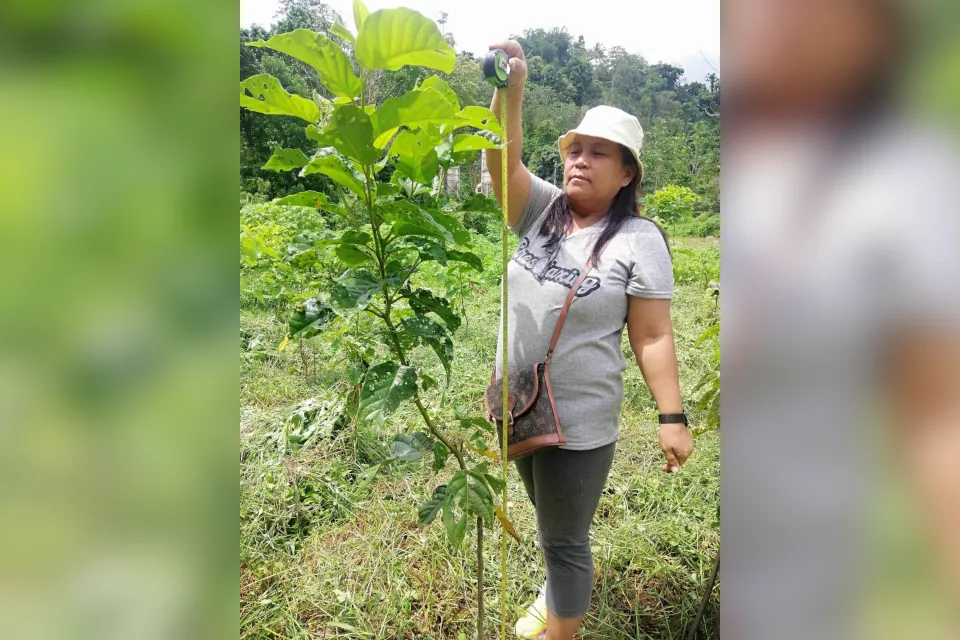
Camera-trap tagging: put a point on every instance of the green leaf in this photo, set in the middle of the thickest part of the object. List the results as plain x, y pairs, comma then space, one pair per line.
323, 138
414, 109
471, 142
331, 164
424, 330
355, 237
351, 255
712, 331
313, 199
479, 203
495, 482
352, 133
416, 157
467, 422
479, 498
457, 532
456, 485
445, 152
409, 448
429, 509
480, 118
455, 529
456, 229
321, 53
393, 38
353, 291
370, 474
409, 219
360, 13
410, 188
423, 301
471, 259
427, 383
386, 189
440, 455
435, 82
429, 250
385, 387
312, 314
286, 159
267, 96
342, 32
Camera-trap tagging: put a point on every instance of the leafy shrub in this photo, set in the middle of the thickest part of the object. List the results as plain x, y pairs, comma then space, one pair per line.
672, 204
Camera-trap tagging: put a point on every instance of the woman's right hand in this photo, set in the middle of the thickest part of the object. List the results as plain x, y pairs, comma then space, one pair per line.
517, 62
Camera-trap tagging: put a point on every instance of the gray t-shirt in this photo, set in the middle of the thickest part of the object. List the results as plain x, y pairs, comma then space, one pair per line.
586, 372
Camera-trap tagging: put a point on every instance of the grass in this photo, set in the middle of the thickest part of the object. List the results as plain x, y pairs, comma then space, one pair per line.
325, 556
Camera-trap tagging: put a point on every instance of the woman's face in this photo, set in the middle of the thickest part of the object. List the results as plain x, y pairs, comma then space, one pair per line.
594, 173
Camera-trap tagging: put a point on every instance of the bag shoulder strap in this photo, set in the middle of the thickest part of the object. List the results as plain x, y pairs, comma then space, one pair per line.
566, 304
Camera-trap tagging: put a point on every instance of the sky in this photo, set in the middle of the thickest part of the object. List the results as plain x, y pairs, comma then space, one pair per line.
681, 32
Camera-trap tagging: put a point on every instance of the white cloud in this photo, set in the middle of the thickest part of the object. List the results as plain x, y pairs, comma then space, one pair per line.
674, 31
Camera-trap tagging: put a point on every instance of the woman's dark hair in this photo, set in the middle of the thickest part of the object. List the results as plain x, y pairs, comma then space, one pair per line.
624, 206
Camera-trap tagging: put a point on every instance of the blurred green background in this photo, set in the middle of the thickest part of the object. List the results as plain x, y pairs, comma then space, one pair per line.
118, 290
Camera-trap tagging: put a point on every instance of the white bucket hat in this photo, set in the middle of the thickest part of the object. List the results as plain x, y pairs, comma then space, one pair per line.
610, 124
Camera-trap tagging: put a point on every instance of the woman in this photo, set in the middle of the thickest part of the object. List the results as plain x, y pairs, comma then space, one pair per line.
632, 285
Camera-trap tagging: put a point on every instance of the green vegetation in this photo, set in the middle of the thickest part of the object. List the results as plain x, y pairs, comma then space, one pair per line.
368, 294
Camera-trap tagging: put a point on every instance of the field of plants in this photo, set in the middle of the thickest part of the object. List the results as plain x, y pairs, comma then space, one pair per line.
370, 505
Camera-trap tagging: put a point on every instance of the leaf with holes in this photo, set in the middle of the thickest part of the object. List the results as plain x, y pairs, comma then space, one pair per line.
323, 138
424, 330
321, 53
423, 301
353, 291
310, 315
429, 509
313, 199
352, 134
428, 250
267, 96
331, 164
286, 159
393, 38
416, 157
386, 386
480, 118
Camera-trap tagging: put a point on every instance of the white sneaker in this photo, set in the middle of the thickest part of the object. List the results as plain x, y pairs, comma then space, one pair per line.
534, 623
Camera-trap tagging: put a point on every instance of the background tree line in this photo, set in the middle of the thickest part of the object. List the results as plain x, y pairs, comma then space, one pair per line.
681, 119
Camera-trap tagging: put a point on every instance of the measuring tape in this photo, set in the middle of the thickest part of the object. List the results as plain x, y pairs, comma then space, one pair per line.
496, 69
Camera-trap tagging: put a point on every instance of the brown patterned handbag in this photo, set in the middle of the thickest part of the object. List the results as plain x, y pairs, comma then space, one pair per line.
533, 423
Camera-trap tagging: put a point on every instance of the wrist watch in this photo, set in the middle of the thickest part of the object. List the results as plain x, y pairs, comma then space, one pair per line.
670, 418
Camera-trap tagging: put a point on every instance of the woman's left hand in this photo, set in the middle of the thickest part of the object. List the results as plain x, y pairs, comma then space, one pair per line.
677, 444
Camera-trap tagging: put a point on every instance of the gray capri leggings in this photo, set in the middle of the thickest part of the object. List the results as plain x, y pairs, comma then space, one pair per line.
564, 487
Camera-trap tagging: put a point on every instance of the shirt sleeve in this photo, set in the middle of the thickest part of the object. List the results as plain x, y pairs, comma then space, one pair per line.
651, 272
542, 194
